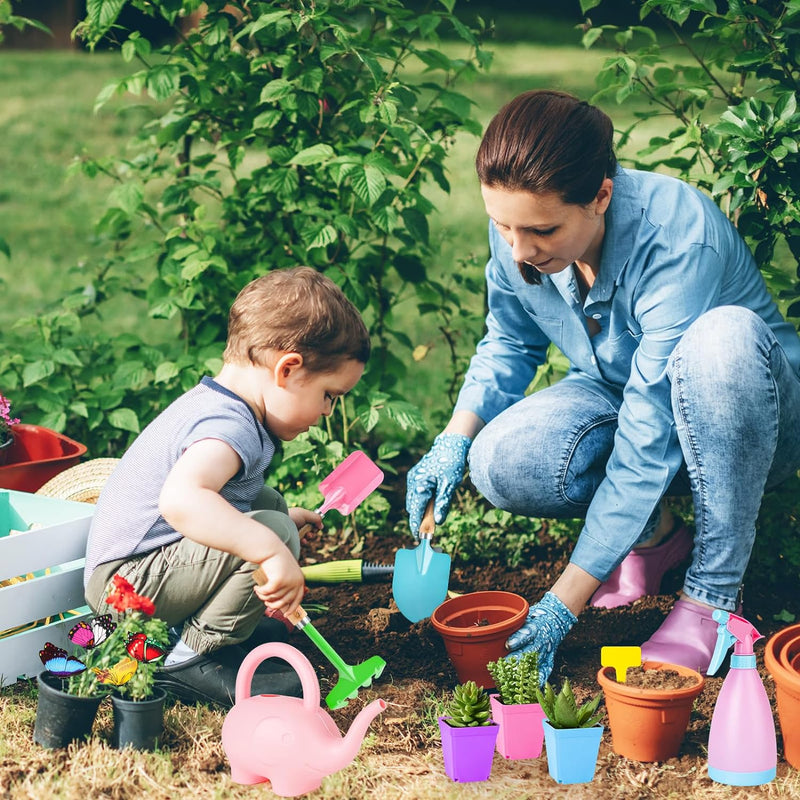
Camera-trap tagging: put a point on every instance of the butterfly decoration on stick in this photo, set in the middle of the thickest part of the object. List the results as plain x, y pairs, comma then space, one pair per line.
59, 661
143, 648
120, 673
92, 633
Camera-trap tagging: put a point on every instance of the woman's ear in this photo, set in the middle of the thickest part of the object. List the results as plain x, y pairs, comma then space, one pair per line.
603, 196
285, 366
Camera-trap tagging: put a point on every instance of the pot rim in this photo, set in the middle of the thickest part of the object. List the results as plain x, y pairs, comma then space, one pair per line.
444, 717
54, 683
515, 604
159, 693
613, 687
789, 651
781, 673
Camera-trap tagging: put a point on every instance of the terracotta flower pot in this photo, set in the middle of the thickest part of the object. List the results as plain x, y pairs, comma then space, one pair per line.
648, 724
787, 693
5, 449
37, 455
475, 627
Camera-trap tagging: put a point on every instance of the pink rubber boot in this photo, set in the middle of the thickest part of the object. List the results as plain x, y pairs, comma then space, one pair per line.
641, 572
687, 636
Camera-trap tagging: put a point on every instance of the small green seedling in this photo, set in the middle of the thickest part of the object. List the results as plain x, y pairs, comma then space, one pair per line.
516, 678
469, 706
620, 658
562, 710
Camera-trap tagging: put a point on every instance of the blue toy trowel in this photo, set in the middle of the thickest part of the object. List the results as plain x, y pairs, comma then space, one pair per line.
421, 575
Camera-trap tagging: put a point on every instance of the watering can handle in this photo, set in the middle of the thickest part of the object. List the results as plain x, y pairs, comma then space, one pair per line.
308, 678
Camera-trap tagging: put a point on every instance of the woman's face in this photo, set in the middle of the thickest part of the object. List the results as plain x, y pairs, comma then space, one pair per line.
546, 232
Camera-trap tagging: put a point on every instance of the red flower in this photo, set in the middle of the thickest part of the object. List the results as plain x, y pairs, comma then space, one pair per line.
124, 598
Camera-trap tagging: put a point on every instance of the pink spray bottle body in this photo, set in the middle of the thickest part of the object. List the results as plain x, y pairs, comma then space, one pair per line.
742, 749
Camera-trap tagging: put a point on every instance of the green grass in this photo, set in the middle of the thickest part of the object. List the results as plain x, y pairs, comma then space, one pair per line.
46, 121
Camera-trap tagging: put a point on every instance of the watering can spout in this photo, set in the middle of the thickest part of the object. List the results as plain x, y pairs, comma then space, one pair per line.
343, 753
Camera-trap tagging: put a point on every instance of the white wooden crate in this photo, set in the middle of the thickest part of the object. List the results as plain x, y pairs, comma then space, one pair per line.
51, 555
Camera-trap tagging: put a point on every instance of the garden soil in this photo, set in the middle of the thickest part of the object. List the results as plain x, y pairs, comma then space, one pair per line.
362, 620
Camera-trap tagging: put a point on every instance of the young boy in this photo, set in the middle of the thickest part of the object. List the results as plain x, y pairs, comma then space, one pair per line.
186, 518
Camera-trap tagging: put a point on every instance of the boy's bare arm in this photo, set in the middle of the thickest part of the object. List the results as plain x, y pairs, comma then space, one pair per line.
190, 501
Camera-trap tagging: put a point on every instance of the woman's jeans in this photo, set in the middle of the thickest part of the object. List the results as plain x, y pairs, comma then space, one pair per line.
736, 403
207, 591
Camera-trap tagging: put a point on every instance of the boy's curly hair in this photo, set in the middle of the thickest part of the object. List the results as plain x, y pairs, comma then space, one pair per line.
296, 310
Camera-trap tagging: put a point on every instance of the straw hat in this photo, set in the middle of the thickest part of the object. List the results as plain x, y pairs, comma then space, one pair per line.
81, 483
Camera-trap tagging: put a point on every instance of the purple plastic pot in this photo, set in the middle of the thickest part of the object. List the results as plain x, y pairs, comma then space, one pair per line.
468, 752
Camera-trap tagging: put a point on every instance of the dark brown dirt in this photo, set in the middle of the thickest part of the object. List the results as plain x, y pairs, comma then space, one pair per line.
362, 620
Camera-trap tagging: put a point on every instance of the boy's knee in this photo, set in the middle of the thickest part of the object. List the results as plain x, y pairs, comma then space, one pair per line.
283, 526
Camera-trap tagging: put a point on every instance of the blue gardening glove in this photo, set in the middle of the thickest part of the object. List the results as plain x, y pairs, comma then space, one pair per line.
548, 622
438, 473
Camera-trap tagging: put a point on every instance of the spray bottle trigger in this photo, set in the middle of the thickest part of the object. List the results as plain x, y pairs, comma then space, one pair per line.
724, 640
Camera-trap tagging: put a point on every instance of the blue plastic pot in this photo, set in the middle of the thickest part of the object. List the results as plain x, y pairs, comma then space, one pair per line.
572, 752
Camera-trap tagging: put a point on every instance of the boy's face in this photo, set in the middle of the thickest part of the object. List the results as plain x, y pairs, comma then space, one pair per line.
299, 397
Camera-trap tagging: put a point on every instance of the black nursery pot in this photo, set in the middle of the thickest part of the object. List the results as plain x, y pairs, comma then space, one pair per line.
138, 723
62, 718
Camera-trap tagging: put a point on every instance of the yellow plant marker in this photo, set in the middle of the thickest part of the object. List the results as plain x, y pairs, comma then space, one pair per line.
620, 658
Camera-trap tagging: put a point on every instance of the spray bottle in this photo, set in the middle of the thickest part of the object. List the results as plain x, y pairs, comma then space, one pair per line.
742, 750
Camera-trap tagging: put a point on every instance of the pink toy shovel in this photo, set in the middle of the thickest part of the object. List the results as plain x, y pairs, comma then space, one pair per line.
348, 485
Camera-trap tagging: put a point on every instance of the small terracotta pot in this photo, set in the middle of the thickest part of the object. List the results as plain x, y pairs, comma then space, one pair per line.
787, 693
475, 627
648, 724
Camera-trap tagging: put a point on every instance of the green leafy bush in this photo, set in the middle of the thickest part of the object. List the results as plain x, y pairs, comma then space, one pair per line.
730, 85
278, 135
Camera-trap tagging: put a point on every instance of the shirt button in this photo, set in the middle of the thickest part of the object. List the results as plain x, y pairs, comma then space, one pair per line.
597, 316
594, 360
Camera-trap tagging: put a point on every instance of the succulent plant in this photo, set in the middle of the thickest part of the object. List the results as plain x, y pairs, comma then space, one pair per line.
516, 677
562, 710
469, 706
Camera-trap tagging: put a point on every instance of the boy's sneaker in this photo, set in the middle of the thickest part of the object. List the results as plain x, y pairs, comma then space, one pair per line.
211, 678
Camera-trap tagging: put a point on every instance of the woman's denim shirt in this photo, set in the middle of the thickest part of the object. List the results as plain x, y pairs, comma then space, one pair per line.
669, 254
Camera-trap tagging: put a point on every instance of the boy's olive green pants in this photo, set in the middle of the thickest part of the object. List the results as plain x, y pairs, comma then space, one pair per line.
208, 592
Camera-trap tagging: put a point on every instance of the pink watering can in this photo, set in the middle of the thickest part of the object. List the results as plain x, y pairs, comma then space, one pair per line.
291, 742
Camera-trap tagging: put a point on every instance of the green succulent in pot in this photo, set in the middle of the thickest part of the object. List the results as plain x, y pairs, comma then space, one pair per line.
468, 707
562, 709
516, 678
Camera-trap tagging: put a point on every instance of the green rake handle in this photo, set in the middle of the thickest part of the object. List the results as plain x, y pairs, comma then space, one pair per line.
351, 678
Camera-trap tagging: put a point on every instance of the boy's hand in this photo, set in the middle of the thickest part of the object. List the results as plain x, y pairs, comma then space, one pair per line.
548, 622
308, 522
285, 584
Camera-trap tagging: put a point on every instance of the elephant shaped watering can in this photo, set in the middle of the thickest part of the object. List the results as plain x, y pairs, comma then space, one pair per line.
291, 742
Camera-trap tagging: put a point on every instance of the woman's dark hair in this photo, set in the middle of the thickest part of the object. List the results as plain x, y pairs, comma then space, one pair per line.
546, 141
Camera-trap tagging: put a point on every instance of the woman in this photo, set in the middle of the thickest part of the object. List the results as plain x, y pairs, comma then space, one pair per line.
681, 369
